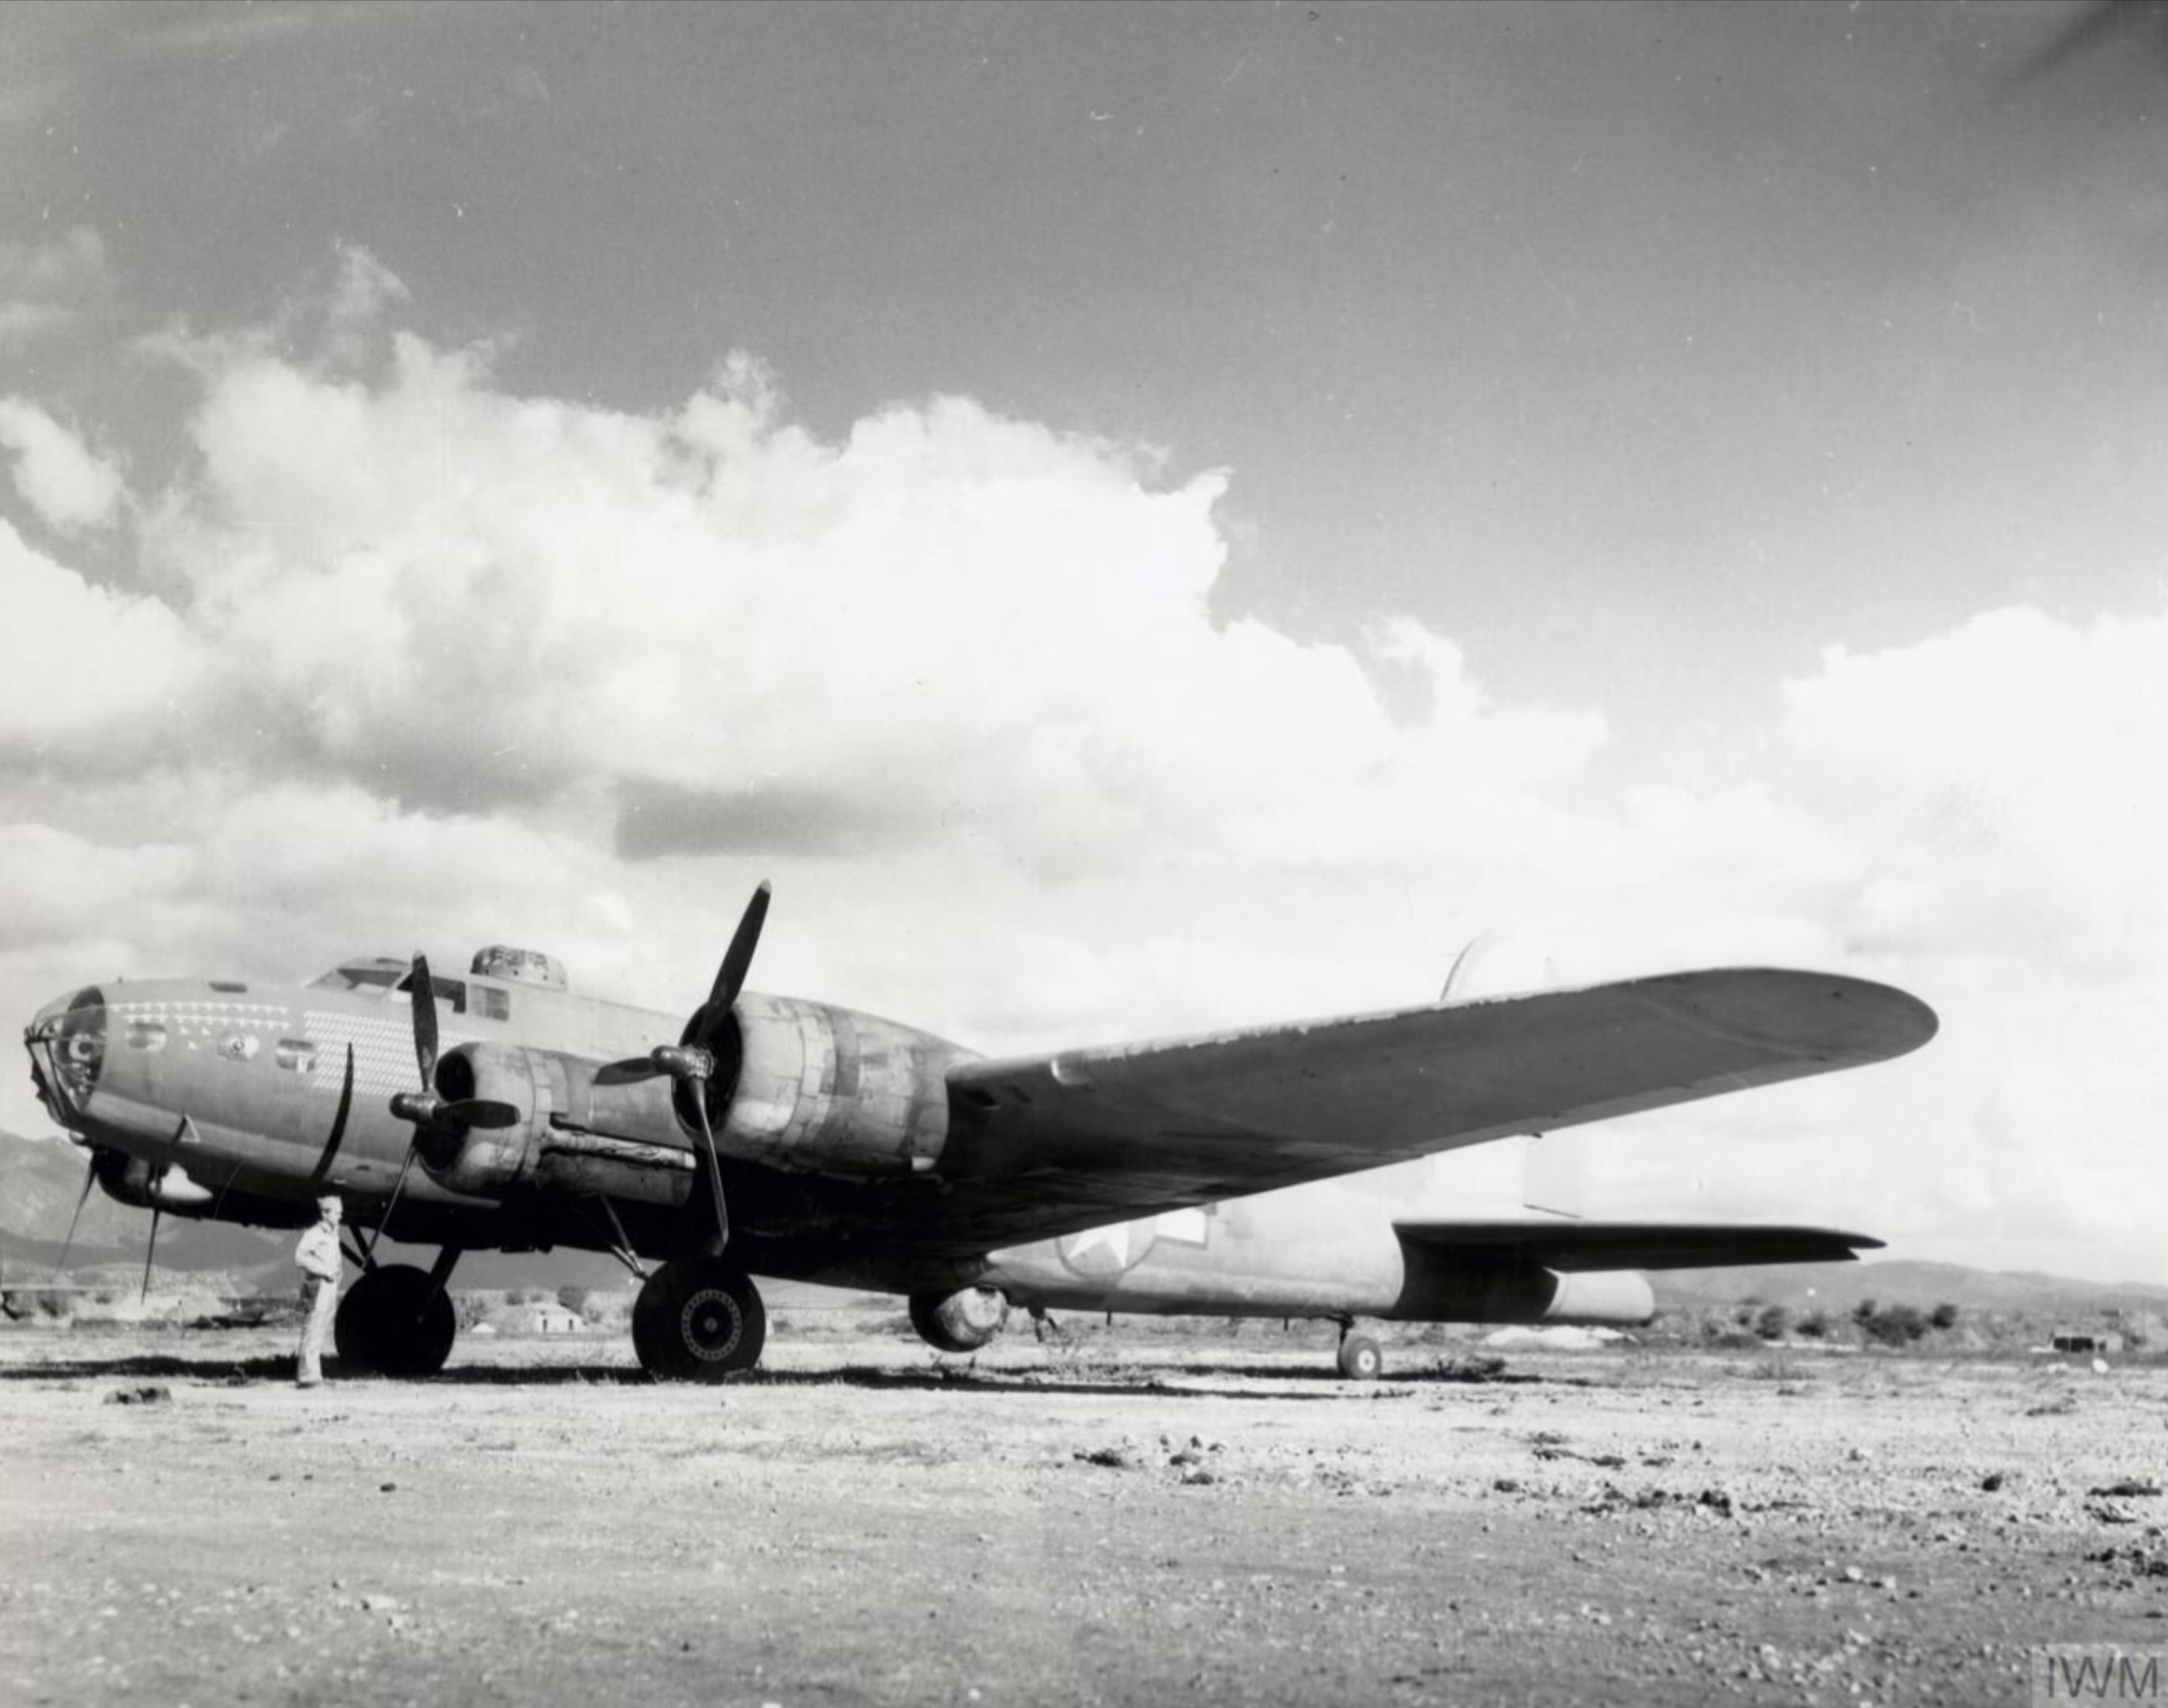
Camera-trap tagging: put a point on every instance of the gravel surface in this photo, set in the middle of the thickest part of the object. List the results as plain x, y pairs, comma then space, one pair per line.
864, 1523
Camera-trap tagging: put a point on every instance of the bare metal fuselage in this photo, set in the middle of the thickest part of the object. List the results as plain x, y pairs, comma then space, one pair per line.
242, 1101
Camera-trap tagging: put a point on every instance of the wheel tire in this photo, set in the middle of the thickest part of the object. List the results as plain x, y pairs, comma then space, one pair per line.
355, 1329
395, 1322
650, 1312
698, 1319
1361, 1359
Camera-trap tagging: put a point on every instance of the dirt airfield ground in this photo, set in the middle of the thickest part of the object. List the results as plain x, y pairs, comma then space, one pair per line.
1216, 1519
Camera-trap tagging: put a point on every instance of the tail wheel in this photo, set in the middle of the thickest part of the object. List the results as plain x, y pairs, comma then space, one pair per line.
1361, 1359
698, 1319
395, 1321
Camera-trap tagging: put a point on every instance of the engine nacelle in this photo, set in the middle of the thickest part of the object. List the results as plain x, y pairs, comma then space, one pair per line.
827, 1090
486, 1162
808, 1089
959, 1322
549, 1146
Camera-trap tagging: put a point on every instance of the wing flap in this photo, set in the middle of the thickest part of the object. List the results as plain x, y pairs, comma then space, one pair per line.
1567, 1245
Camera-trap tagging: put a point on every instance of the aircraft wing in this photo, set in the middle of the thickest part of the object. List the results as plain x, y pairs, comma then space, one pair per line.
1564, 1244
1044, 1145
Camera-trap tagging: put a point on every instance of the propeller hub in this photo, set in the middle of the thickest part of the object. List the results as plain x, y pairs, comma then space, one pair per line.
684, 1061
420, 1107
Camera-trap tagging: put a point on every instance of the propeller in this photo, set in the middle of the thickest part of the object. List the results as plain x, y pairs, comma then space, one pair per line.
692, 1062
425, 1108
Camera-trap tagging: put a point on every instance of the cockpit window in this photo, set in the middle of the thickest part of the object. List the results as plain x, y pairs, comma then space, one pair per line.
379, 974
67, 1048
450, 993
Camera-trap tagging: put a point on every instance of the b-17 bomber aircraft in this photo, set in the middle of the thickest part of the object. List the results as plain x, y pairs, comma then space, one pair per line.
1229, 1174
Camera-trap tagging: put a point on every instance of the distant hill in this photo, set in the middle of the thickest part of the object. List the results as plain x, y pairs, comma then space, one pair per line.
1839, 1286
41, 1180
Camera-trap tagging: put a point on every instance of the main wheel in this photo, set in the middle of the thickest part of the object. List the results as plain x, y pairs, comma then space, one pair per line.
698, 1319
1360, 1358
395, 1321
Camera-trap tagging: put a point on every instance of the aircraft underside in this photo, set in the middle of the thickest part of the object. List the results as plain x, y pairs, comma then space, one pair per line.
699, 1316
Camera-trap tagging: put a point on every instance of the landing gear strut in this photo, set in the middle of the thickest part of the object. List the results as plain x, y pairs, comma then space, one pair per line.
398, 1320
1361, 1359
698, 1319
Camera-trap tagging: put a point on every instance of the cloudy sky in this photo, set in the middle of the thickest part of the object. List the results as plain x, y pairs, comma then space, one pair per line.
1137, 520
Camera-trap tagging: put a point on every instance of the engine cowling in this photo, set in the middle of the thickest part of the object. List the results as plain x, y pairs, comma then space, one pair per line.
552, 1144
959, 1322
812, 1089
484, 1161
825, 1090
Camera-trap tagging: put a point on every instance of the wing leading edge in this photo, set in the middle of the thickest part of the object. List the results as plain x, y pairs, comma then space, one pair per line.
1048, 1144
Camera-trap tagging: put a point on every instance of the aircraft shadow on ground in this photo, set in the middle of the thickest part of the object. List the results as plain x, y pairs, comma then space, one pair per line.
1294, 1382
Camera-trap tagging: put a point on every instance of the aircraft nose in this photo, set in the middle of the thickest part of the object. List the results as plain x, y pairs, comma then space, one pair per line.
66, 1042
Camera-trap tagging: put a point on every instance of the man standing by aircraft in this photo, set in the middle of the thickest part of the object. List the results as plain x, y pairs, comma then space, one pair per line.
318, 1256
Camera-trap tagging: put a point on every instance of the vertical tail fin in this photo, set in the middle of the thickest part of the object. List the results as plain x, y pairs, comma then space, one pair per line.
1499, 964
1552, 1177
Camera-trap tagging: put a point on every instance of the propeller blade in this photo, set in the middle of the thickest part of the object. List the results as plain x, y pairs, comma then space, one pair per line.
399, 1185
89, 1180
627, 1072
715, 1166
481, 1111
737, 959
693, 1063
425, 1021
149, 1256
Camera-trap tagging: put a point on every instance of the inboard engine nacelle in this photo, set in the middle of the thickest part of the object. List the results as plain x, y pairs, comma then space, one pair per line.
800, 1086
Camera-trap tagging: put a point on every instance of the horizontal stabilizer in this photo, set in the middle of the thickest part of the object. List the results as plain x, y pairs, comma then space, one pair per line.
1564, 1245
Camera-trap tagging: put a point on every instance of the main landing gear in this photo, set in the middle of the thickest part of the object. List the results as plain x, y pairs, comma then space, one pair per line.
1361, 1358
397, 1319
698, 1319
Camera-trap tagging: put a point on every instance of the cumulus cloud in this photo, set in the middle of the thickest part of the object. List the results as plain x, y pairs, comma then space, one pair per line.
70, 485
2007, 775
365, 290
944, 619
406, 658
89, 675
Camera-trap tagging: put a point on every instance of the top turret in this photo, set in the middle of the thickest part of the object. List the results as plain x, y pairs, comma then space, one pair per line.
520, 966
